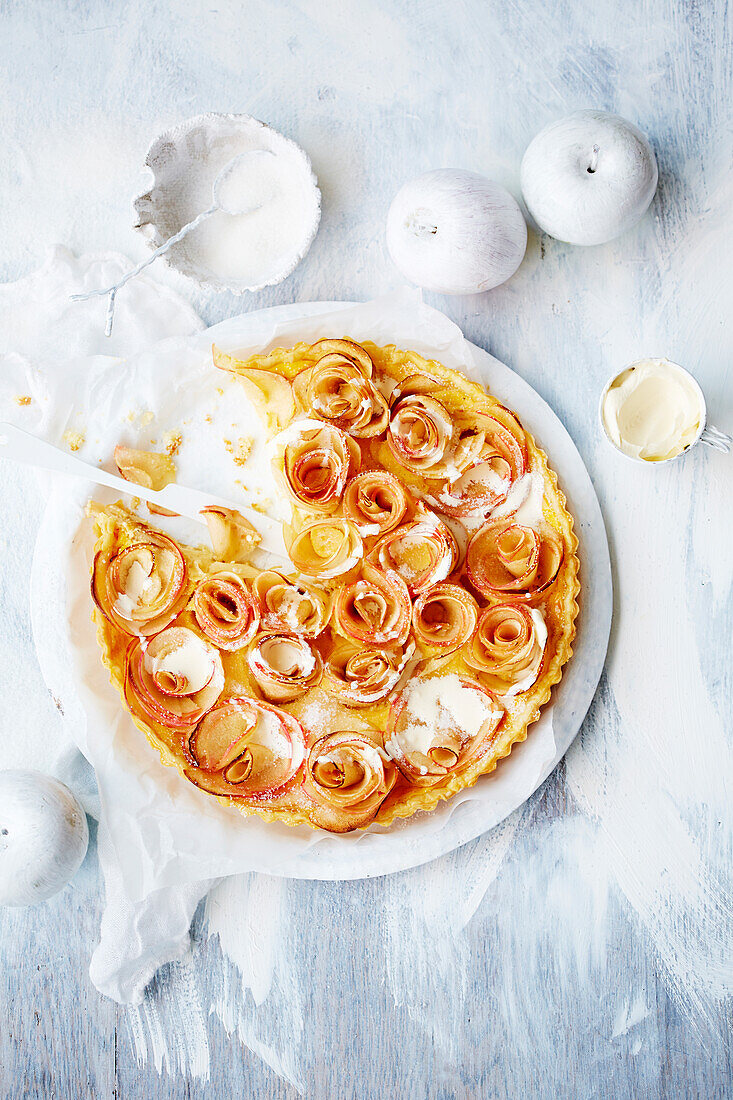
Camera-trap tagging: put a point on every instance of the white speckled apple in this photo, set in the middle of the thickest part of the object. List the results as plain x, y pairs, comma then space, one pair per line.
43, 837
456, 232
589, 177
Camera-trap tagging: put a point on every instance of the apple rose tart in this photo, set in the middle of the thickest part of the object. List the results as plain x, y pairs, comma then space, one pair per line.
412, 638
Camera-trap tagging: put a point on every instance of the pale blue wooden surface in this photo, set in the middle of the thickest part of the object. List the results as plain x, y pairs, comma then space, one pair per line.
573, 978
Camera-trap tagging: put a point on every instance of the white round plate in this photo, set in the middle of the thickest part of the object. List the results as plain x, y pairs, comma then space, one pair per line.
168, 852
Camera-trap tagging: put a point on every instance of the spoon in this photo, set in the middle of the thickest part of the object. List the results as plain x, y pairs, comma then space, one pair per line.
223, 201
22, 447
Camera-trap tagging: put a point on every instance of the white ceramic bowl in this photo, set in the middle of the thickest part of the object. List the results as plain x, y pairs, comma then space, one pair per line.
713, 437
185, 161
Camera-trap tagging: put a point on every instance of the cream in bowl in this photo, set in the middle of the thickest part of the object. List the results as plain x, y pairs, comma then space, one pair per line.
654, 410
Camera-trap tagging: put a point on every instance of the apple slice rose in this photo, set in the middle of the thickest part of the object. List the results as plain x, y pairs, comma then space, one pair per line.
246, 749
141, 587
338, 388
508, 647
316, 462
325, 548
506, 559
226, 610
490, 457
376, 501
284, 666
174, 678
359, 675
423, 552
438, 726
374, 609
420, 435
444, 617
347, 777
290, 606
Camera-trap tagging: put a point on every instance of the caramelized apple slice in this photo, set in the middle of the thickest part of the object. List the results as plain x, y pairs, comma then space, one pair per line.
174, 678
233, 538
439, 725
146, 468
347, 777
226, 610
269, 392
247, 749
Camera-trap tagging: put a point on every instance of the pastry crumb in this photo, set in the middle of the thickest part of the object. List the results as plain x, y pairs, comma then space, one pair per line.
22, 399
74, 440
209, 419
220, 391
240, 450
260, 506
144, 417
172, 442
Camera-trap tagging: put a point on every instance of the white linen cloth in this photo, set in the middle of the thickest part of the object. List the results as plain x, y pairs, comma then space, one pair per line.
47, 344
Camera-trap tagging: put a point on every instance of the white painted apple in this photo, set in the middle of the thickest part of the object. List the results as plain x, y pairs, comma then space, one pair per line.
43, 837
589, 177
456, 232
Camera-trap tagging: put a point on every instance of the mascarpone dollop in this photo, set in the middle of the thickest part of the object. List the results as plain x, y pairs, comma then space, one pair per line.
653, 410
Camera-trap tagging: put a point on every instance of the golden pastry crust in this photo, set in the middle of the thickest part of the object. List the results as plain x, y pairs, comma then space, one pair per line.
347, 553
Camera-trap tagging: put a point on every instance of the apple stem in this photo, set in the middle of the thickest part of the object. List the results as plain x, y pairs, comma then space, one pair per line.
593, 159
420, 228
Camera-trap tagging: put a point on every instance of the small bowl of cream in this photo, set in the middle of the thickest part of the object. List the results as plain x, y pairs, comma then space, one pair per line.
654, 411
